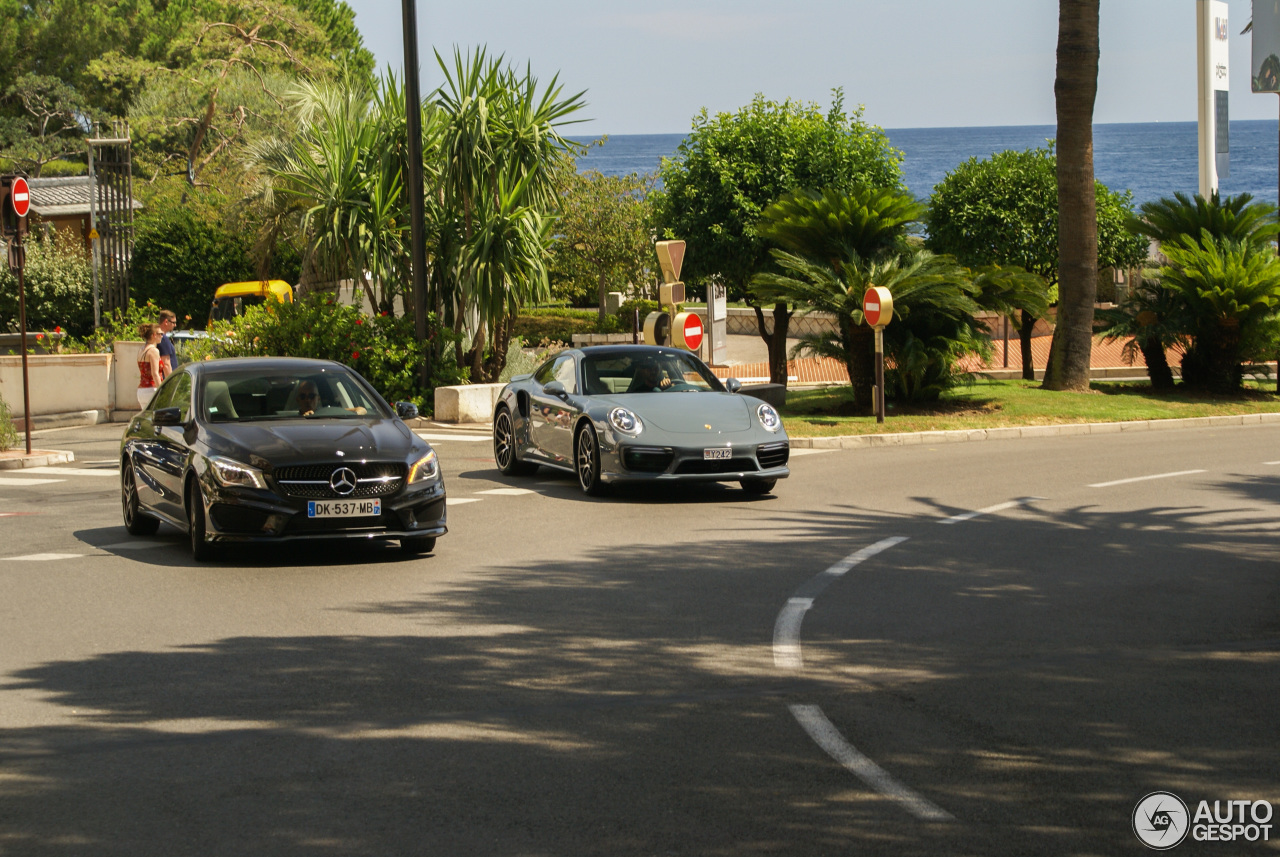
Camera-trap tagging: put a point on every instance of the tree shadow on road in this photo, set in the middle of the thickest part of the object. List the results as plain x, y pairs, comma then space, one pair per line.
1034, 673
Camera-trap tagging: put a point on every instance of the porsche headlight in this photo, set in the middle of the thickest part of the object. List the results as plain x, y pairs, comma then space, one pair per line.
233, 473
625, 421
424, 468
769, 417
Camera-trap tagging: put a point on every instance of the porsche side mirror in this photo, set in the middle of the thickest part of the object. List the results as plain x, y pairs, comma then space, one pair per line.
167, 417
555, 388
733, 385
406, 410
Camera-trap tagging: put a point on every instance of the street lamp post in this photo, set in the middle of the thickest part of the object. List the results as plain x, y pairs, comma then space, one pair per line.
417, 226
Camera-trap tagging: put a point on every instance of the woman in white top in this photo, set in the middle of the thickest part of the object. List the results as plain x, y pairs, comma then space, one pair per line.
151, 369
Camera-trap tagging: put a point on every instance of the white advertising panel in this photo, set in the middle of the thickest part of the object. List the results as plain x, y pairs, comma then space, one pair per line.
718, 313
1214, 82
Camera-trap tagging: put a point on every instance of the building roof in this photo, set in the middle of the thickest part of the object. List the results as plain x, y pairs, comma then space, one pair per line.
62, 197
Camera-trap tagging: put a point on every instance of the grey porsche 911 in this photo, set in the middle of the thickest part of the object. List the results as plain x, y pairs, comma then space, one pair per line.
615, 414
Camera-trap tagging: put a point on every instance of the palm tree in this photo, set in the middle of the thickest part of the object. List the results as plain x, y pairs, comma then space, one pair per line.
1075, 90
499, 143
1235, 218
1231, 291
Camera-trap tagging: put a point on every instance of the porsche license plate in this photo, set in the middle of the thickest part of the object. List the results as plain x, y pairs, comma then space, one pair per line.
716, 453
343, 508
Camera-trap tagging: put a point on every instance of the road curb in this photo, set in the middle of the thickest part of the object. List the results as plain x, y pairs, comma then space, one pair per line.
861, 441
38, 458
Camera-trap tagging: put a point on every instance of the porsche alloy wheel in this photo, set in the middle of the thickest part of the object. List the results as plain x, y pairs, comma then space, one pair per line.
588, 462
504, 447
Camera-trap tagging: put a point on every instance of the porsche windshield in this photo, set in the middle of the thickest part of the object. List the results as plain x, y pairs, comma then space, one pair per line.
646, 371
252, 395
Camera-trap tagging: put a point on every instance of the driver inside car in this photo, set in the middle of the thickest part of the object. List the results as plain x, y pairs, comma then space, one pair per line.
648, 378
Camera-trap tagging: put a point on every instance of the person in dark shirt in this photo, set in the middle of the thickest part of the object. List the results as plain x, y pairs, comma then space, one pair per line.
168, 321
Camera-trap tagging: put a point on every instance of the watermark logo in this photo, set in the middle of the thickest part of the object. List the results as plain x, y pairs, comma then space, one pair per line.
1161, 821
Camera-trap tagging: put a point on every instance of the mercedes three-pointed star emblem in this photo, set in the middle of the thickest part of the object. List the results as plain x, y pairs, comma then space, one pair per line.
343, 481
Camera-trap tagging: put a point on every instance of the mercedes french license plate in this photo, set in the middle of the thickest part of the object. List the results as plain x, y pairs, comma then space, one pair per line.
343, 508
717, 453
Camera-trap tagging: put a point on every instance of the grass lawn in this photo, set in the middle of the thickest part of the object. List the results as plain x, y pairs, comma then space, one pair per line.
997, 404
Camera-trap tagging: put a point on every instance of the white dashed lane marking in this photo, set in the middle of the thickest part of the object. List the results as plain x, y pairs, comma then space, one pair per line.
445, 438
999, 507
5, 480
75, 471
507, 492
40, 557
826, 736
1144, 478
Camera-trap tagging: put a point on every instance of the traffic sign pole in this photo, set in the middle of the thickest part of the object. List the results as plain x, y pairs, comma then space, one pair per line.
879, 373
22, 329
877, 310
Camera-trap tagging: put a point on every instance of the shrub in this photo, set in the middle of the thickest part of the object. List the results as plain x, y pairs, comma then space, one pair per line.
58, 282
179, 261
383, 348
8, 434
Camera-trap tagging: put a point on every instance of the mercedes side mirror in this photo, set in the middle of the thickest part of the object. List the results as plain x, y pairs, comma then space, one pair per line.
167, 417
406, 410
733, 385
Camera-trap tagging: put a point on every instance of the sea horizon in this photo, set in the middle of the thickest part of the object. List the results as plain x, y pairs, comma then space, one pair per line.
1150, 159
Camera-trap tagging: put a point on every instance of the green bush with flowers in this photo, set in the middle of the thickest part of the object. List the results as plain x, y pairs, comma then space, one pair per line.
383, 348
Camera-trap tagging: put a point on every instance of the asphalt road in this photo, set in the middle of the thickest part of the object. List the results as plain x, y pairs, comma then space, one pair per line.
858, 664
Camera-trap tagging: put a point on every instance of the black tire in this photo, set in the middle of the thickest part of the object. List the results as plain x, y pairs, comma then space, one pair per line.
201, 550
758, 486
418, 544
587, 460
504, 447
137, 522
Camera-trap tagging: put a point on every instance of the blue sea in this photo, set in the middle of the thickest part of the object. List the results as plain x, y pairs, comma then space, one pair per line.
1152, 160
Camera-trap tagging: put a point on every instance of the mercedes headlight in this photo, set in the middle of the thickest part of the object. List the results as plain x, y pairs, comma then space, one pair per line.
424, 468
625, 421
230, 472
769, 417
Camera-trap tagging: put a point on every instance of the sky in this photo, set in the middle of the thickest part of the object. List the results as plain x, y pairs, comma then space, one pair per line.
648, 68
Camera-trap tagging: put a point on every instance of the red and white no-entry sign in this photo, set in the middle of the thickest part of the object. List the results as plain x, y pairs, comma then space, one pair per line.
687, 331
21, 196
877, 306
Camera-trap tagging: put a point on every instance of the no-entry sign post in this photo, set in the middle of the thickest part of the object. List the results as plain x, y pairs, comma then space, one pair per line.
877, 309
15, 202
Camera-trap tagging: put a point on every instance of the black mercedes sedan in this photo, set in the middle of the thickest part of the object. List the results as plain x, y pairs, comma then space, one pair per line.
274, 449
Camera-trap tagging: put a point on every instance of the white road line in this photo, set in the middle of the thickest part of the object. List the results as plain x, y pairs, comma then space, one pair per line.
466, 438
134, 546
40, 557
458, 501
802, 451
1271, 462
786, 629
75, 471
820, 729
786, 634
999, 507
507, 492
4, 480
1144, 478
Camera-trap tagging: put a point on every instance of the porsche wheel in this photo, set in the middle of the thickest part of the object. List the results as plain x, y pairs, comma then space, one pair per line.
504, 447
136, 521
587, 458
